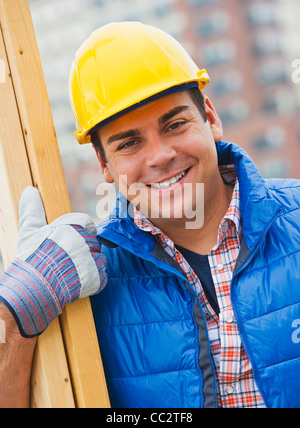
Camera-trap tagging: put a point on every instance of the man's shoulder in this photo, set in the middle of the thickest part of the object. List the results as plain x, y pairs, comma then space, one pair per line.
286, 192
283, 183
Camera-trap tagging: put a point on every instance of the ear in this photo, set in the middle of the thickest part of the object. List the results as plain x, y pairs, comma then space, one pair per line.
104, 168
213, 120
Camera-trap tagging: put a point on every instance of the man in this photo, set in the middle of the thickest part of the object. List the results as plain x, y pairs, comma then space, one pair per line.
191, 316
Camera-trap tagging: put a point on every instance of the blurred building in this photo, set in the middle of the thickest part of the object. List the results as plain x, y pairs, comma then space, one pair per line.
246, 46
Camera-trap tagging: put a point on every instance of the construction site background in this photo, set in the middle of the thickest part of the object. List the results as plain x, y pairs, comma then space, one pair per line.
249, 48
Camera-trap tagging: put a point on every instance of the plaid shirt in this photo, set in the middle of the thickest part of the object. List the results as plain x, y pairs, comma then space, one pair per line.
235, 381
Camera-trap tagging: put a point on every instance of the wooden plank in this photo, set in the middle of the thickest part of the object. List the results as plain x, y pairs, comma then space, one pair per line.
50, 381
77, 322
34, 107
87, 393
13, 162
15, 175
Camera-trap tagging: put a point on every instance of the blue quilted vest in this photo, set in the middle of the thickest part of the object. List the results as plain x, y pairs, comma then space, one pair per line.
150, 325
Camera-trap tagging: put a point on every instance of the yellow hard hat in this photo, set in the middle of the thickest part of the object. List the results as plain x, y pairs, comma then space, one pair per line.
122, 65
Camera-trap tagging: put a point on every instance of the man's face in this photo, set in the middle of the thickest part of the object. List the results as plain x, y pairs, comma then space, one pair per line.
163, 149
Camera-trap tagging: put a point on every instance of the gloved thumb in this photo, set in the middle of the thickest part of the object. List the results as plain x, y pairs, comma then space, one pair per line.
31, 211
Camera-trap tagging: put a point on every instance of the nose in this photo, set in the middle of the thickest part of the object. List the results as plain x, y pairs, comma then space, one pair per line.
160, 153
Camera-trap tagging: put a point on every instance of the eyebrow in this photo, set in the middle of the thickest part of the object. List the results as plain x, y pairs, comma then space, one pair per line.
123, 135
167, 116
136, 133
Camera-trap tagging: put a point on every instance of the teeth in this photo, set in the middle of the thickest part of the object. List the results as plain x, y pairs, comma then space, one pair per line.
168, 183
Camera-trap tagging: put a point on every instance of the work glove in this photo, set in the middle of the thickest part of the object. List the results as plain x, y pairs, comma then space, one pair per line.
55, 265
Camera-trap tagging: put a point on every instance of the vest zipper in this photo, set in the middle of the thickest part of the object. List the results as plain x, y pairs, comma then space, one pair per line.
196, 301
236, 310
198, 366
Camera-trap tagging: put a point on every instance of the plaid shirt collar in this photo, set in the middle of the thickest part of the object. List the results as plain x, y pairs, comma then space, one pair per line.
232, 217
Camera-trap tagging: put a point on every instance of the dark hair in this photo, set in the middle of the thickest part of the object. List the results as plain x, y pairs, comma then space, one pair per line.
197, 98
96, 141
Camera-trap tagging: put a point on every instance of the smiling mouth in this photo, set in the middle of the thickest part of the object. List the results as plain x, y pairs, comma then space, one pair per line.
168, 183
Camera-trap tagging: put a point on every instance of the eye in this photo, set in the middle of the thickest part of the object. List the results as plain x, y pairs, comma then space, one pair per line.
175, 125
128, 144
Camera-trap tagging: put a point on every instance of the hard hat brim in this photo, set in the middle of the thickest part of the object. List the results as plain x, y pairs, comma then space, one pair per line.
162, 94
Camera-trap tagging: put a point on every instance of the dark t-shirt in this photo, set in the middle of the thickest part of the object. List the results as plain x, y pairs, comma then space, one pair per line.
200, 265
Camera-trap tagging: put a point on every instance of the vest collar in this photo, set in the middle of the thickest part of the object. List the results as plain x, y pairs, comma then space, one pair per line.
258, 207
